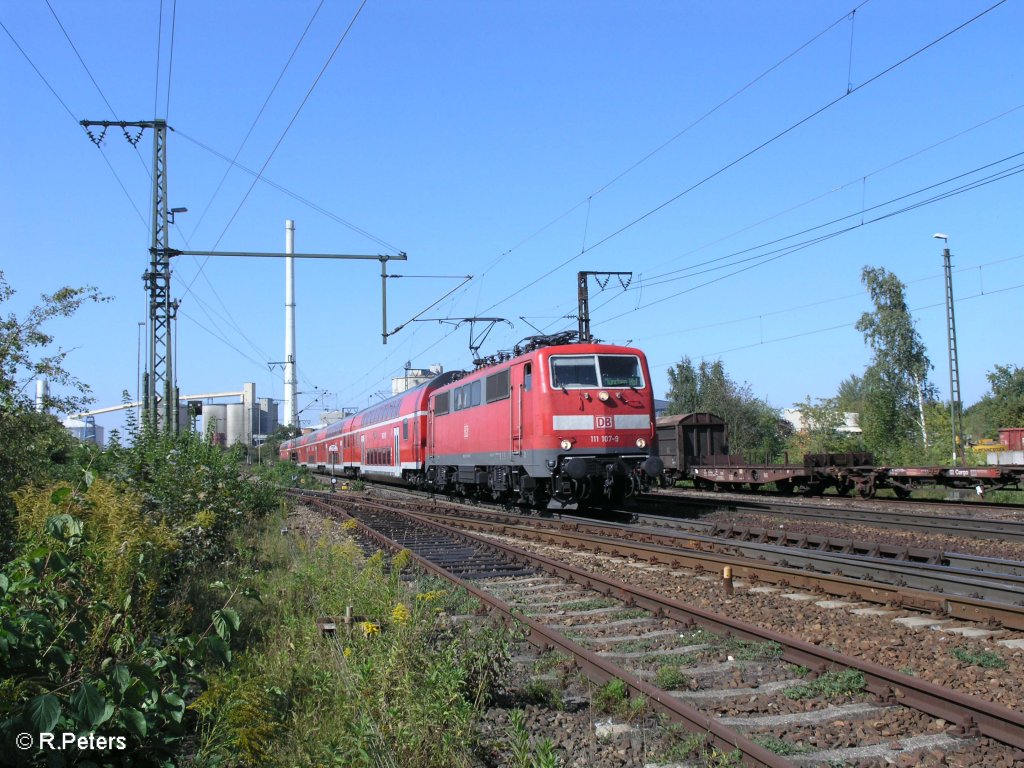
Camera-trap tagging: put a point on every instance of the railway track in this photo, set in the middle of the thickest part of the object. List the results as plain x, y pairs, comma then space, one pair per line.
742, 686
973, 507
991, 599
978, 527
970, 588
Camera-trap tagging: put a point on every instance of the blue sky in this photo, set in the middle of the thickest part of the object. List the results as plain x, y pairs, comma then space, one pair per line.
520, 142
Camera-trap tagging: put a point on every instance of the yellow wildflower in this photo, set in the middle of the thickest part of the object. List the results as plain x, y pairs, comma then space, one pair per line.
350, 525
400, 614
369, 628
347, 652
399, 561
429, 597
205, 519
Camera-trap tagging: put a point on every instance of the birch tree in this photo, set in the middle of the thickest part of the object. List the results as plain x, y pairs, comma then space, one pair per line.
896, 381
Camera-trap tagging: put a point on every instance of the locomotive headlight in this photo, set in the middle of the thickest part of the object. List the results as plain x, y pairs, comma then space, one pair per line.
641, 443
566, 444
603, 396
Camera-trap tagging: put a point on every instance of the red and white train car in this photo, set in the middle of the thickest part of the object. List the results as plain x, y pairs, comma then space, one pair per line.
384, 442
563, 424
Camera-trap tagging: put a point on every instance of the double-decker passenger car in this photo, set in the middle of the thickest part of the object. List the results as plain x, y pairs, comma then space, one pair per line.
560, 423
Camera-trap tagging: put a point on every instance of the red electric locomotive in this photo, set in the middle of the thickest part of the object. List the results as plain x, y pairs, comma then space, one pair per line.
563, 424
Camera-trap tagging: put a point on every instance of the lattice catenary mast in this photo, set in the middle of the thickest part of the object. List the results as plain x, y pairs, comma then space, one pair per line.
160, 394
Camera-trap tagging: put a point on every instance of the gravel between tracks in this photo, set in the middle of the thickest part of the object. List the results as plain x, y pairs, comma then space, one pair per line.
924, 653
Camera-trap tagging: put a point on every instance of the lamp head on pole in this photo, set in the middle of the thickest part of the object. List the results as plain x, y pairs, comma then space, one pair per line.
942, 237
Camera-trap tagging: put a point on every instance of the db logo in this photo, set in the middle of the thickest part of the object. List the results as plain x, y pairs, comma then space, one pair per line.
603, 422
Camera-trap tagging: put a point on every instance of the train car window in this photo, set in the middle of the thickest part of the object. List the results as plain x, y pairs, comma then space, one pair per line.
573, 372
496, 386
528, 376
405, 429
441, 403
620, 371
474, 394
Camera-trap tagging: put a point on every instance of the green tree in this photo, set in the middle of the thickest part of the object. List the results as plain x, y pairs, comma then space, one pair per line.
821, 433
896, 387
684, 395
851, 394
1002, 407
754, 426
32, 443
272, 445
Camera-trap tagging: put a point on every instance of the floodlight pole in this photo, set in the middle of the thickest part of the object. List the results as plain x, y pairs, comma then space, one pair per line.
954, 365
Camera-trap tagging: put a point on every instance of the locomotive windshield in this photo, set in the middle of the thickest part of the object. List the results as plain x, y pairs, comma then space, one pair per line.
581, 371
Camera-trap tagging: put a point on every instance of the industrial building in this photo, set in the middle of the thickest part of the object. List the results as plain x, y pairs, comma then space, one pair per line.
249, 422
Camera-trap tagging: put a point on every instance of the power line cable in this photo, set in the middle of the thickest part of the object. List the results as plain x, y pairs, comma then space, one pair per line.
71, 114
291, 122
761, 259
230, 319
259, 174
295, 196
587, 200
82, 61
222, 339
841, 187
749, 153
170, 59
851, 324
156, 69
822, 302
232, 163
665, 276
770, 256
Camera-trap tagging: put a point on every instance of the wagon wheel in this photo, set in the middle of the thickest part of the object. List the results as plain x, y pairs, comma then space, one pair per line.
867, 489
844, 488
901, 493
785, 487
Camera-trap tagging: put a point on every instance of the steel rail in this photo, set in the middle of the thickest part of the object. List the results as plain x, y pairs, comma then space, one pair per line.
1003, 530
971, 715
753, 562
595, 667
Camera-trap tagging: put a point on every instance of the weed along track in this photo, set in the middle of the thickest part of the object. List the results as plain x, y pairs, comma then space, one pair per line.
666, 682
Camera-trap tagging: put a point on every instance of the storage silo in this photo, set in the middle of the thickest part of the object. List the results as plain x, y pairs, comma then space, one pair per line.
236, 431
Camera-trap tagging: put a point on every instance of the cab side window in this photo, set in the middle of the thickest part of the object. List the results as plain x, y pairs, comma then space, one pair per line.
528, 376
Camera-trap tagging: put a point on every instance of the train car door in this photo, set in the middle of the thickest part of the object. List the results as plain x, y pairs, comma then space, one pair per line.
397, 435
519, 404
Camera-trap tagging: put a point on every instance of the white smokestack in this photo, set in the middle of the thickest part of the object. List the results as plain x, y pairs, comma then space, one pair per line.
42, 393
291, 411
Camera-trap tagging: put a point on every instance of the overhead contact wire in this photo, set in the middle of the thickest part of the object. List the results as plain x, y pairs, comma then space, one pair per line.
291, 122
758, 148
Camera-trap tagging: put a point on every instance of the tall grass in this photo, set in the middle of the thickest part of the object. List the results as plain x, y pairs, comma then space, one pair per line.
400, 686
